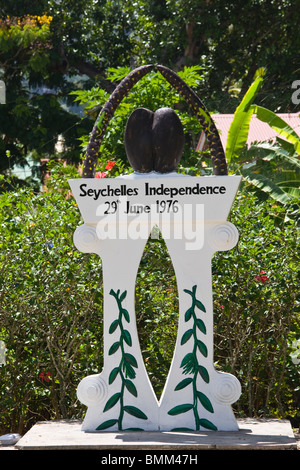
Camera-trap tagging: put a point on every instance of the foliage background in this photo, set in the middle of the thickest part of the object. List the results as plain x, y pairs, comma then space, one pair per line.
51, 307
51, 47
60, 60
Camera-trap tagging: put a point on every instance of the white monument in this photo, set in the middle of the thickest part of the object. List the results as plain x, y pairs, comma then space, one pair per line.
119, 215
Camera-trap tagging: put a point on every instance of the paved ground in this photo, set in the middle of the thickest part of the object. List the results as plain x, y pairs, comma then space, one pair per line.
297, 437
252, 435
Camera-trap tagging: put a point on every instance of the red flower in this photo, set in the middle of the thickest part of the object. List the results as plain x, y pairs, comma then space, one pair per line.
261, 277
45, 376
100, 175
110, 164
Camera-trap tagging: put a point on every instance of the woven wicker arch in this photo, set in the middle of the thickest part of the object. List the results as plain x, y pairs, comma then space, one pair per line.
122, 90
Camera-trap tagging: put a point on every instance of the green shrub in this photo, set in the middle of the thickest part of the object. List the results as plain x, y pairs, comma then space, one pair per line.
256, 309
256, 293
51, 307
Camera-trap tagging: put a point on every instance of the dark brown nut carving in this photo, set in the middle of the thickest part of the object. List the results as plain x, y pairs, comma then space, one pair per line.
154, 141
168, 140
138, 140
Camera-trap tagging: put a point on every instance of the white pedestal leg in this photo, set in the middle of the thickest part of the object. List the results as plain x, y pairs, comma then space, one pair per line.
121, 396
196, 396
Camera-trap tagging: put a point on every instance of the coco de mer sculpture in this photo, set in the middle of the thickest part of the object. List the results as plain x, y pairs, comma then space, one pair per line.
119, 215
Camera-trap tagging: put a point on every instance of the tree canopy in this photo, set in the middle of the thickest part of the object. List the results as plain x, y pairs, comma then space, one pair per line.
49, 48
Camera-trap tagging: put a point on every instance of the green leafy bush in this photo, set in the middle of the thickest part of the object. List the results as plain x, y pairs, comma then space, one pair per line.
51, 307
51, 295
256, 290
256, 309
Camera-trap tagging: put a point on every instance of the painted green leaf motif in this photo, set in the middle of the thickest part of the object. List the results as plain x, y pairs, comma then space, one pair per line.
114, 348
130, 387
205, 402
188, 363
106, 424
200, 305
188, 314
180, 409
202, 348
113, 326
122, 296
112, 401
203, 373
184, 383
186, 336
113, 375
132, 410
191, 366
127, 337
205, 423
200, 324
129, 370
125, 314
125, 370
131, 359
188, 291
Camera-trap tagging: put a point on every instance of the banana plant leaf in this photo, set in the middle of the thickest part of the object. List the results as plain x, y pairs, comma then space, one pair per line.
278, 124
239, 128
263, 183
275, 152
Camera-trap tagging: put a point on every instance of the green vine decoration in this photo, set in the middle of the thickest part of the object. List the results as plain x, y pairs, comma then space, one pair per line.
191, 366
125, 370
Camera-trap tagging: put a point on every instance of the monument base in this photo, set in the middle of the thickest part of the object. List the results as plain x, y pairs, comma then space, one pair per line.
253, 434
